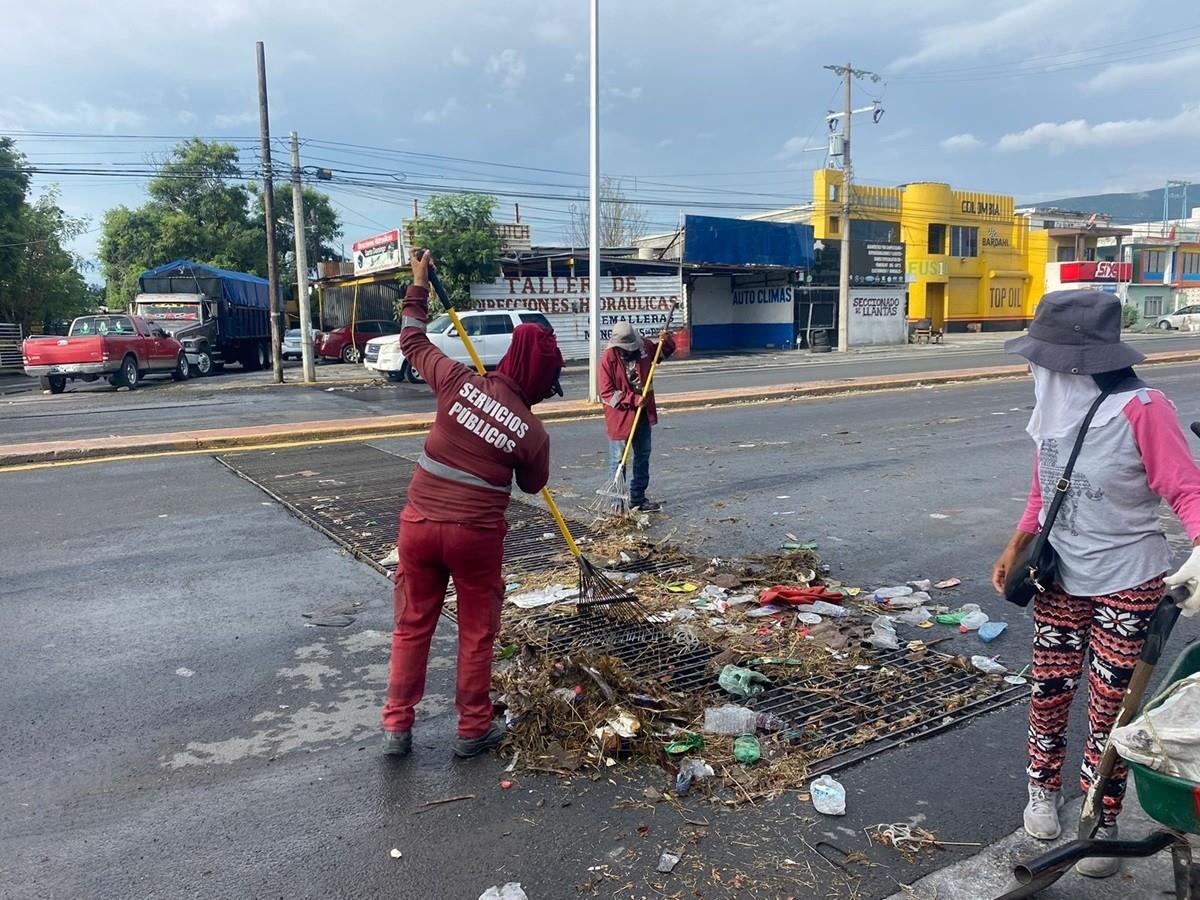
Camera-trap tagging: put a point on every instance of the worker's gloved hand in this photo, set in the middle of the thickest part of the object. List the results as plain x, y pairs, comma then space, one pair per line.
1188, 574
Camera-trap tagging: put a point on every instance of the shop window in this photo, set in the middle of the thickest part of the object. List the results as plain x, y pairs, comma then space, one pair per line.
1154, 306
937, 239
964, 241
1066, 254
1089, 253
871, 230
1048, 224
835, 224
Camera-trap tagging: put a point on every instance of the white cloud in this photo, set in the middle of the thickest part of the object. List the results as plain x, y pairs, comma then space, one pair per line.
634, 93
83, 116
978, 39
441, 114
1123, 75
459, 56
797, 145
958, 142
568, 78
508, 67
233, 120
1079, 133
896, 136
552, 31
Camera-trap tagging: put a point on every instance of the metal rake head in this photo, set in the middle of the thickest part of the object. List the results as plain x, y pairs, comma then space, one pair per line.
600, 595
613, 498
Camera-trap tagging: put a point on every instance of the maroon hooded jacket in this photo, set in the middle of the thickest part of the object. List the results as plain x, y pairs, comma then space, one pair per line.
484, 433
617, 394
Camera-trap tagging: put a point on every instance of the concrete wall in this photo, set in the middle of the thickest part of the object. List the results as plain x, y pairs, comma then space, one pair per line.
742, 312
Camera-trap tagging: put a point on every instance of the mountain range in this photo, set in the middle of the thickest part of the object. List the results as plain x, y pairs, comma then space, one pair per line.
1125, 209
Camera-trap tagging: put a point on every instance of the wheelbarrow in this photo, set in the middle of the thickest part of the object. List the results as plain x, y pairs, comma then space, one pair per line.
1173, 802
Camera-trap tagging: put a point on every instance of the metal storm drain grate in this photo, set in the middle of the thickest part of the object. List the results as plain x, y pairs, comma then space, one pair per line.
353, 494
832, 721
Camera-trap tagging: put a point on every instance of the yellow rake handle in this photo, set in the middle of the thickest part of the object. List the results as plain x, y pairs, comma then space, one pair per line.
554, 511
637, 416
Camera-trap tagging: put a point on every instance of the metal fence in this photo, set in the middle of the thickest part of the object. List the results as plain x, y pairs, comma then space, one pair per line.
10, 346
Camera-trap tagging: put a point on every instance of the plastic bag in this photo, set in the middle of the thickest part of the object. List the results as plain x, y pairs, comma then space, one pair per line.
690, 770
747, 750
1166, 737
742, 682
883, 634
916, 616
828, 796
972, 621
988, 666
510, 891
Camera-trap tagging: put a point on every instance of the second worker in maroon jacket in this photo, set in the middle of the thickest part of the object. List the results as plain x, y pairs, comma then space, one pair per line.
484, 437
623, 371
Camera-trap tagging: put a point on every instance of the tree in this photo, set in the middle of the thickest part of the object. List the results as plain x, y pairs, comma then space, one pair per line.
459, 230
197, 210
40, 279
322, 228
621, 221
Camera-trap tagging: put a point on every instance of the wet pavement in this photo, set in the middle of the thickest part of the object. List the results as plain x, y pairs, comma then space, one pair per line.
181, 733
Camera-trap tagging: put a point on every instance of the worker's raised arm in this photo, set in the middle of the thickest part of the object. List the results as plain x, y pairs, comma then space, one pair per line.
436, 368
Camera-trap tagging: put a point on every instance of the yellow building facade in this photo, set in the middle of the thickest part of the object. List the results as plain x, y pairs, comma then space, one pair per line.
969, 259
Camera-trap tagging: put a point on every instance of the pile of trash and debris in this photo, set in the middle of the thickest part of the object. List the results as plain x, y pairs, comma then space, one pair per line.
717, 648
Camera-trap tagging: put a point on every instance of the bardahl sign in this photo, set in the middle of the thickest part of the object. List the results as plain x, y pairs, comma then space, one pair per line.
876, 263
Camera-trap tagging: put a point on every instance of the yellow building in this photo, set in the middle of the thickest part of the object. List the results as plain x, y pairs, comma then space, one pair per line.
969, 258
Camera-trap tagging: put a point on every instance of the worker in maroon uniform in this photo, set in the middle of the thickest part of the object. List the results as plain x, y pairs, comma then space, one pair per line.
623, 371
484, 437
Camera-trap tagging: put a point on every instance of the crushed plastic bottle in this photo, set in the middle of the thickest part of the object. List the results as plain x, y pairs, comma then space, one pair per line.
735, 720
988, 666
824, 608
891, 593
828, 796
883, 634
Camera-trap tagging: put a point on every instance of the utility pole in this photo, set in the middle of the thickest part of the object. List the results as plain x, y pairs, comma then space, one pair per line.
306, 350
594, 213
848, 73
264, 125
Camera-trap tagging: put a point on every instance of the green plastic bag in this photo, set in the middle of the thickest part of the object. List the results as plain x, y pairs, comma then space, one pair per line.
742, 682
689, 740
747, 750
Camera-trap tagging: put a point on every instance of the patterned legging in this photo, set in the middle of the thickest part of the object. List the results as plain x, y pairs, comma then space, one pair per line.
1113, 626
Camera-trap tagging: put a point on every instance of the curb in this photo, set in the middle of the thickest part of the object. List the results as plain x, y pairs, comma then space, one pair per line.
411, 423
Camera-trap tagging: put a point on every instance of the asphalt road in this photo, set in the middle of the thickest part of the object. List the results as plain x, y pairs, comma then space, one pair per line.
173, 729
238, 399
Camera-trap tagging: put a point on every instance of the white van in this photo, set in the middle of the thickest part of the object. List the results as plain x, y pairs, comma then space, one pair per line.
490, 331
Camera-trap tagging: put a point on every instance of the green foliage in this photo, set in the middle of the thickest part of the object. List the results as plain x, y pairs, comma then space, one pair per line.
40, 278
1130, 315
458, 228
322, 227
198, 209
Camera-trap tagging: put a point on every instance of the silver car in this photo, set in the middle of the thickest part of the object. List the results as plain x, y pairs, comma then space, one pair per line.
1187, 317
292, 348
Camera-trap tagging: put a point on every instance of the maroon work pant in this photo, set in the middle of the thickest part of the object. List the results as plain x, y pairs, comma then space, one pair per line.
430, 554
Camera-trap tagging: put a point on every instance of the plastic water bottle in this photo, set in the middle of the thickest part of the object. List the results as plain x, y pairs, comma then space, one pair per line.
735, 720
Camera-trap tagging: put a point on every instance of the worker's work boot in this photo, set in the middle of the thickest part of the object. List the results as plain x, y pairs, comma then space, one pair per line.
1041, 814
648, 506
1101, 866
397, 743
465, 748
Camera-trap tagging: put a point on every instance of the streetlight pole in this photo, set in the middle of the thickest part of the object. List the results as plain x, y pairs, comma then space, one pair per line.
306, 350
594, 212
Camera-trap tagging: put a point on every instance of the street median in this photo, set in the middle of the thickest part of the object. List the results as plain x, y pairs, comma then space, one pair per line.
363, 428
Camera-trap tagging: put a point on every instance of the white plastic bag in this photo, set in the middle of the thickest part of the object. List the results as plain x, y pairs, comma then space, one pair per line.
1167, 737
510, 891
828, 796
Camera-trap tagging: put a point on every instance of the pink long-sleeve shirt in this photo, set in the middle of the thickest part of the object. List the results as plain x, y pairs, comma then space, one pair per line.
1107, 534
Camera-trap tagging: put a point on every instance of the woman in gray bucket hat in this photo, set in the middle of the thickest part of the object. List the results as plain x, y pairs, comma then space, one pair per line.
1112, 553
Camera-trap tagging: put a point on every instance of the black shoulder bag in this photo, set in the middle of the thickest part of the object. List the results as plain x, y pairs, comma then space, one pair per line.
1037, 567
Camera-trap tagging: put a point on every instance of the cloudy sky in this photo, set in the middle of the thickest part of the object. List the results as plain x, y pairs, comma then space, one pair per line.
707, 105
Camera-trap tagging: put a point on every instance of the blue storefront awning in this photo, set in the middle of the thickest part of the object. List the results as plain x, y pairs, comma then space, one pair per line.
712, 240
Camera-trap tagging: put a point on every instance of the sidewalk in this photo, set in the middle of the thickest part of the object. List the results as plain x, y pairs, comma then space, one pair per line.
989, 874
362, 428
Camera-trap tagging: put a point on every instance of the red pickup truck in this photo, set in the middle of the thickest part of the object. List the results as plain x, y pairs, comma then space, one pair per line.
122, 348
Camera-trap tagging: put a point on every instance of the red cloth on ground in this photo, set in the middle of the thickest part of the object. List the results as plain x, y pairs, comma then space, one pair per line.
617, 394
483, 427
798, 596
533, 361
430, 554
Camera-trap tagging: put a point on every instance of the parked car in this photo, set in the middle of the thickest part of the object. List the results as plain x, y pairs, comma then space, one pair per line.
490, 331
336, 344
1186, 317
293, 347
121, 348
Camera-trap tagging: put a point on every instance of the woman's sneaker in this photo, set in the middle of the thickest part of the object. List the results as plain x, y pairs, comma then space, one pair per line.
1041, 813
1101, 866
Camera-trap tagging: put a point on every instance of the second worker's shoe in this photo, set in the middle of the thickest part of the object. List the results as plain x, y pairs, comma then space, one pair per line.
1101, 866
397, 743
465, 748
1041, 814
